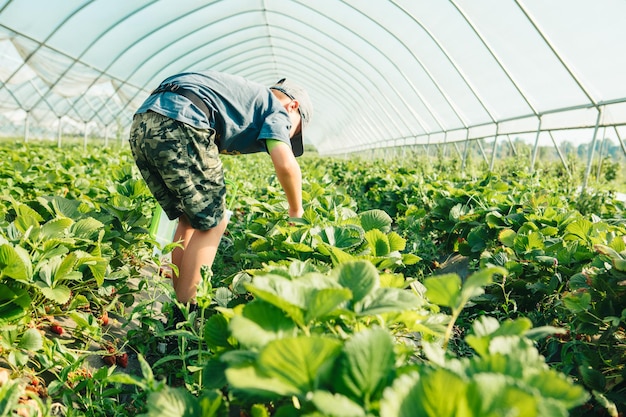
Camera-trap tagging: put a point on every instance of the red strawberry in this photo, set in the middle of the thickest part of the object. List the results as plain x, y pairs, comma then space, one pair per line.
56, 328
109, 360
122, 360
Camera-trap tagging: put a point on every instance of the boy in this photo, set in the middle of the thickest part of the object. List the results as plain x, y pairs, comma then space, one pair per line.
176, 137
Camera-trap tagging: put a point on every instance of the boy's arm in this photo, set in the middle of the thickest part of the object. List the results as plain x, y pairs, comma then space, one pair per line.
289, 175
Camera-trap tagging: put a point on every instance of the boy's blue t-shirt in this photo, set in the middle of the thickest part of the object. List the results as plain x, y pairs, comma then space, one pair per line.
247, 112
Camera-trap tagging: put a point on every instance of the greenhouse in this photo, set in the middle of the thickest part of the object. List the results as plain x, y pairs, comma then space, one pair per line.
458, 247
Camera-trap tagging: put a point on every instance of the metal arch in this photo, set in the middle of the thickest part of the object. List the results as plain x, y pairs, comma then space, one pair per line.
314, 75
321, 83
419, 62
348, 63
454, 65
295, 52
556, 54
88, 48
113, 61
366, 76
577, 81
301, 71
493, 55
358, 36
42, 43
355, 101
139, 66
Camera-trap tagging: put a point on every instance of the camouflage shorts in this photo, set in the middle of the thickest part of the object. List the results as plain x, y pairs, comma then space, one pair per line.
181, 166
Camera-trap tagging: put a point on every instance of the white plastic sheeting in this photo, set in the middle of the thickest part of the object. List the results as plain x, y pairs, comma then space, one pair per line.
381, 73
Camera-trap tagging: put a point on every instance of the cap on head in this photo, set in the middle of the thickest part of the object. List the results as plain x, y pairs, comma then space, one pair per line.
295, 92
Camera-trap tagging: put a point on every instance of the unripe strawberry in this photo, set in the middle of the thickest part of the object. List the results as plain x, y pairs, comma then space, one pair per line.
105, 318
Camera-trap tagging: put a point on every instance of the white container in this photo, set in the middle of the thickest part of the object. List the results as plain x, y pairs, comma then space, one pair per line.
163, 229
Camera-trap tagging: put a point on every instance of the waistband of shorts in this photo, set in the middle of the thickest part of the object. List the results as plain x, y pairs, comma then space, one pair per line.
211, 114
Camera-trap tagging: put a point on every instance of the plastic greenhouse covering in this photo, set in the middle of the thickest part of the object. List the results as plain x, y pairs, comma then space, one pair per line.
381, 73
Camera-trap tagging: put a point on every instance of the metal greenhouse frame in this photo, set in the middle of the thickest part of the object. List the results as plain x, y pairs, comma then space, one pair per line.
382, 74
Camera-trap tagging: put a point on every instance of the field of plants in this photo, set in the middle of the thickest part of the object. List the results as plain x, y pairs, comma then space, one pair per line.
409, 288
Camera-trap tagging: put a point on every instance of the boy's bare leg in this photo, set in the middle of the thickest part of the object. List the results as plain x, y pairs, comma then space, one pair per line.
199, 247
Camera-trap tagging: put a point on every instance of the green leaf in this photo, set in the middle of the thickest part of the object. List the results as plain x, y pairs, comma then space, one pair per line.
580, 229
360, 277
410, 259
301, 362
146, 370
97, 265
336, 405
396, 242
211, 401
15, 263
250, 380
86, 228
342, 237
59, 294
495, 395
55, 228
214, 373
126, 379
375, 219
558, 387
14, 302
261, 323
280, 292
319, 303
365, 365
475, 283
339, 256
437, 393
592, 378
66, 207
477, 239
172, 402
494, 219
26, 218
66, 270
31, 340
378, 242
10, 393
443, 290
216, 332
577, 302
486, 328
507, 237
387, 300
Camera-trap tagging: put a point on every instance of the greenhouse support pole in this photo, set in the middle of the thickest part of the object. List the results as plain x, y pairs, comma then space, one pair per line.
26, 122
466, 150
591, 151
535, 148
482, 150
85, 137
512, 145
621, 142
603, 146
106, 136
563, 161
494, 149
458, 151
59, 134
